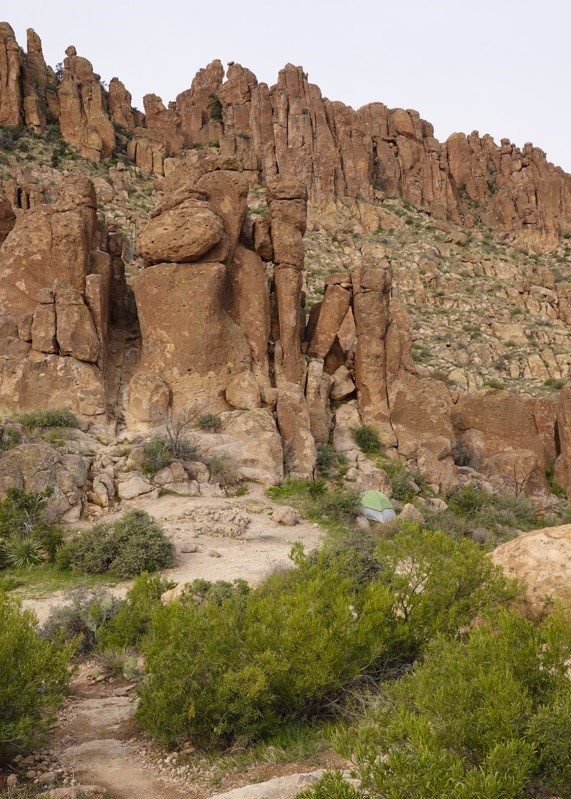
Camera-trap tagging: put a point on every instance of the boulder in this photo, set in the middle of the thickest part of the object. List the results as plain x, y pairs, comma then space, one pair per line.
182, 234
541, 560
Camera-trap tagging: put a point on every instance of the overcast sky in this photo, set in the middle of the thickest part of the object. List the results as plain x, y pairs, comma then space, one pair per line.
496, 67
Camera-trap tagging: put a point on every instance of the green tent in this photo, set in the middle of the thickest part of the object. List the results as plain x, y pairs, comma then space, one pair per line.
374, 500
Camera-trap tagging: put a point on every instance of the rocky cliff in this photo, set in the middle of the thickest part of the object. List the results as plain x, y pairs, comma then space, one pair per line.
289, 128
226, 309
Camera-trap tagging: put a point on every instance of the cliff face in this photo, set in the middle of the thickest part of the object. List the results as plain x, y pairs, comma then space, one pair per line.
217, 310
290, 129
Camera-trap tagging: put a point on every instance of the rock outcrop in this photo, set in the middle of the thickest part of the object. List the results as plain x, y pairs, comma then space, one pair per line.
59, 287
290, 129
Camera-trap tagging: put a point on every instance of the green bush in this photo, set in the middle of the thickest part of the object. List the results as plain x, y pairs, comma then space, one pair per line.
481, 718
330, 786
367, 438
330, 463
48, 417
26, 539
439, 585
215, 108
242, 665
209, 421
127, 627
128, 546
157, 455
34, 679
79, 620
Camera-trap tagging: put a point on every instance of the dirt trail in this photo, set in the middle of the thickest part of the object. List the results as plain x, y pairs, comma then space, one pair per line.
216, 538
94, 739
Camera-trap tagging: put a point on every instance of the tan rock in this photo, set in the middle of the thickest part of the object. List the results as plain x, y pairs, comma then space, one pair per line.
243, 392
317, 387
76, 333
44, 328
133, 485
191, 343
334, 308
249, 307
149, 397
252, 442
227, 194
540, 560
263, 239
7, 219
288, 282
182, 234
342, 384
508, 427
347, 419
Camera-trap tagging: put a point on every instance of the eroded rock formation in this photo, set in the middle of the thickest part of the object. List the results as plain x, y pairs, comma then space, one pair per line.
60, 285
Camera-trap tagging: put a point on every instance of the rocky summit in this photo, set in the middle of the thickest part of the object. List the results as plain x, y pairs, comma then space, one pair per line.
296, 266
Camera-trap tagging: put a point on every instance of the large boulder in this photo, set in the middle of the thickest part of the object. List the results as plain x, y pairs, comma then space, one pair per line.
39, 466
541, 561
182, 234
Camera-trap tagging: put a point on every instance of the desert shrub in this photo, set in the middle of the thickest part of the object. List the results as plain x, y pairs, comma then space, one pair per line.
10, 136
209, 421
118, 663
78, 620
215, 108
201, 591
10, 437
132, 620
244, 664
493, 510
439, 585
476, 719
223, 469
26, 538
34, 678
128, 546
329, 462
367, 438
48, 417
331, 785
157, 455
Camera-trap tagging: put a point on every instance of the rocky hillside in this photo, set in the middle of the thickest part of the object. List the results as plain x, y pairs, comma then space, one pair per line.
266, 250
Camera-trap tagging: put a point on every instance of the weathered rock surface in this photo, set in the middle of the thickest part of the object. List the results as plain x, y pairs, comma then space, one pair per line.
541, 560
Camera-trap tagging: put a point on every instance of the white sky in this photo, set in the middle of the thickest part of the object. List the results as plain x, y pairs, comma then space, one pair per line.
497, 67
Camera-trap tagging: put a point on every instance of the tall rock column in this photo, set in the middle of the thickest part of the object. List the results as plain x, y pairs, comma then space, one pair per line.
10, 74
371, 298
287, 201
84, 118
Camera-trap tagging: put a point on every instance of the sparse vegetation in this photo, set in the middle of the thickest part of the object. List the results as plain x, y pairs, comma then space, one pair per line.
48, 417
367, 438
210, 422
